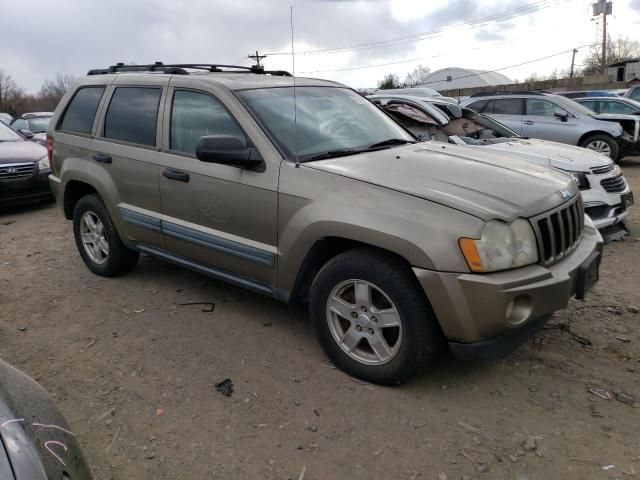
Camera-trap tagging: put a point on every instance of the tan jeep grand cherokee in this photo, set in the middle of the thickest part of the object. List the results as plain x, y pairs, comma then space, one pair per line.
306, 191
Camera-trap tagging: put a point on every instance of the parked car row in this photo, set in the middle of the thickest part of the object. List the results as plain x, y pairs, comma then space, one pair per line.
303, 190
604, 190
554, 117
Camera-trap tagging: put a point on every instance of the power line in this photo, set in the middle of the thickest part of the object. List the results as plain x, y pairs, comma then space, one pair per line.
456, 78
500, 17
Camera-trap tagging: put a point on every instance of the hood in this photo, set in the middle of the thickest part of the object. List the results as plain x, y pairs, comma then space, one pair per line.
21, 151
556, 155
472, 180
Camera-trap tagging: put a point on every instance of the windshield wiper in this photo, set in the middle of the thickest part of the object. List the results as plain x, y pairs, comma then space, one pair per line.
332, 154
390, 142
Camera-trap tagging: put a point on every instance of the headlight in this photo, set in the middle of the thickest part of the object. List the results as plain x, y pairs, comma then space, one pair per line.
581, 179
43, 164
501, 246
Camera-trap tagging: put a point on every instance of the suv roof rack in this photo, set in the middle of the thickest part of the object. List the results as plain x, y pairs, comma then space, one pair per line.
515, 92
182, 69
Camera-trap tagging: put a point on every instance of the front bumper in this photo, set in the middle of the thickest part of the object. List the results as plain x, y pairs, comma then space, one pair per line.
603, 207
486, 315
32, 188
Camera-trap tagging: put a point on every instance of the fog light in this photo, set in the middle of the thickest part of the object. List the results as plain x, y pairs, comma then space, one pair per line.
519, 310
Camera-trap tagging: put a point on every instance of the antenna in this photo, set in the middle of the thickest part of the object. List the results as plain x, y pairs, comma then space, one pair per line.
257, 57
295, 110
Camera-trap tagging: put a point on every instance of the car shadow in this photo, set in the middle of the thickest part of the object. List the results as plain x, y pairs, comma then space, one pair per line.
25, 208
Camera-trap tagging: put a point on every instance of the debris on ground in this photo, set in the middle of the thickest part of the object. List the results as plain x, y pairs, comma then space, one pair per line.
601, 393
211, 305
633, 309
225, 387
22, 328
564, 327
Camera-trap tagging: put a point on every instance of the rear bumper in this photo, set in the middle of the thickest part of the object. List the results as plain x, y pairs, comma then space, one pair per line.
33, 188
493, 313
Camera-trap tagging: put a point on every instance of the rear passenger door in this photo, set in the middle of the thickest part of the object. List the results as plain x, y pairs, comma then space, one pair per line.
507, 111
218, 216
125, 161
540, 122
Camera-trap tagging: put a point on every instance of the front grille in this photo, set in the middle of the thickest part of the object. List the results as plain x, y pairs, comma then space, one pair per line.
614, 184
605, 169
559, 230
16, 170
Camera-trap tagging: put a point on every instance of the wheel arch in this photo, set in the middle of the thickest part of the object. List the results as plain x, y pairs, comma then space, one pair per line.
593, 133
322, 251
74, 190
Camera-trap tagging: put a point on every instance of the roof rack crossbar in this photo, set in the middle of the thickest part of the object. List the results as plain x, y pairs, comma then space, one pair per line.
181, 69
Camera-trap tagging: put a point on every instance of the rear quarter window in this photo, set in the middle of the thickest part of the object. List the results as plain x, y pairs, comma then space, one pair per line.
132, 115
82, 109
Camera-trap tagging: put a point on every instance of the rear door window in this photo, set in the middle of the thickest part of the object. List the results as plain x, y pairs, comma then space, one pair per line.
507, 106
613, 106
133, 115
82, 109
590, 104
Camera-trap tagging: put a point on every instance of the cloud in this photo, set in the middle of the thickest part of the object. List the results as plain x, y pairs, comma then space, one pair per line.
487, 35
635, 4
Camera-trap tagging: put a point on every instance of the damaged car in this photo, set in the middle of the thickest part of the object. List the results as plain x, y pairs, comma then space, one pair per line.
604, 189
559, 119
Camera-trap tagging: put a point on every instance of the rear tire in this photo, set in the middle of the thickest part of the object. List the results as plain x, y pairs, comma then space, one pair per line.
602, 143
363, 339
97, 241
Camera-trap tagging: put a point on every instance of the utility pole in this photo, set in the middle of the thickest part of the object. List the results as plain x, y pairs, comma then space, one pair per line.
257, 57
604, 39
573, 61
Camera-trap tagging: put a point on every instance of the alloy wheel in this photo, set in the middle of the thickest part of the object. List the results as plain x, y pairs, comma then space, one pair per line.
93, 237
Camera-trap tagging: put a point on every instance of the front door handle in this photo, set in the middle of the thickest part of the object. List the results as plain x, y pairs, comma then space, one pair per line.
178, 175
102, 158
529, 122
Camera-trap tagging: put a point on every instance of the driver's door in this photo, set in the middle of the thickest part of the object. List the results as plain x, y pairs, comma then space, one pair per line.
218, 216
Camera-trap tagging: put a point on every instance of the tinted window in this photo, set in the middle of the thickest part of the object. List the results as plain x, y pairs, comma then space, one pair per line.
195, 115
82, 110
541, 108
635, 94
507, 106
477, 106
19, 124
133, 114
615, 107
590, 104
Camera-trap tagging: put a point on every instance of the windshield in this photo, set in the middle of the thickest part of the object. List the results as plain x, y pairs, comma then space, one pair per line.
38, 125
572, 105
328, 120
8, 135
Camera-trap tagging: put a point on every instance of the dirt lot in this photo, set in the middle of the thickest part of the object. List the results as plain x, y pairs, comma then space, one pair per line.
134, 372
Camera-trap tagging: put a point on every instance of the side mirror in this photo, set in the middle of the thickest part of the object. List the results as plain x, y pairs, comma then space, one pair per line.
228, 150
28, 134
561, 114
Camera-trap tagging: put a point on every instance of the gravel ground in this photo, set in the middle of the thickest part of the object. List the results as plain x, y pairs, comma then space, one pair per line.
135, 372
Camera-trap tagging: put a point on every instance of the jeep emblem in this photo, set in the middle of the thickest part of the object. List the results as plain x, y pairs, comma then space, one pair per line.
11, 170
565, 194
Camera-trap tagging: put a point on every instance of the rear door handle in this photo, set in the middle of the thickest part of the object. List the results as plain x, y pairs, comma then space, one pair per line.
178, 175
102, 158
529, 122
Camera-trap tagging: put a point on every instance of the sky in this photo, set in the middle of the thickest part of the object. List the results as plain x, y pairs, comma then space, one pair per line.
38, 39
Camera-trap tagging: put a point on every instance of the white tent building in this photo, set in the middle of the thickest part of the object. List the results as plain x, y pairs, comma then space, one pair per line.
454, 78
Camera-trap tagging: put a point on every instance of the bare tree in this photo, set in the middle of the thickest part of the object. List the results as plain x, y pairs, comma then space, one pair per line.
390, 80
10, 94
417, 77
617, 51
53, 90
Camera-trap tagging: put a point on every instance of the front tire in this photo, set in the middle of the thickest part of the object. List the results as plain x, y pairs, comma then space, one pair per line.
372, 318
97, 240
602, 144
